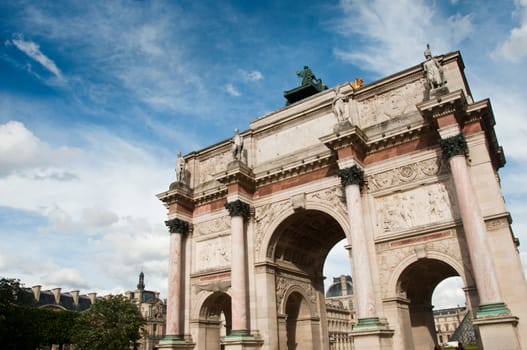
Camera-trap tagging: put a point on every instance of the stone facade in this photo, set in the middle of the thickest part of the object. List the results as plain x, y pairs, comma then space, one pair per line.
408, 175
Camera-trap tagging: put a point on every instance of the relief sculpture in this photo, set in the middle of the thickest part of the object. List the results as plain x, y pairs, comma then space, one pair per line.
421, 206
214, 253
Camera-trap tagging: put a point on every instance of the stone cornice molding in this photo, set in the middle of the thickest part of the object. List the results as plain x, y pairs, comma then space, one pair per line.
238, 208
296, 169
454, 146
178, 193
238, 173
351, 136
453, 103
352, 176
177, 226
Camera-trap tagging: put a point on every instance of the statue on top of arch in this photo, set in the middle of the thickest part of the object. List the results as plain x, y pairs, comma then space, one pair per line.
434, 73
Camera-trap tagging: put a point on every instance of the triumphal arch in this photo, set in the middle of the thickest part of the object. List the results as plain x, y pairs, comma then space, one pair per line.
404, 168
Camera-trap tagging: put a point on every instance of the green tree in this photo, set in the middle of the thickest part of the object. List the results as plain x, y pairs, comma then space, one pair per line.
111, 323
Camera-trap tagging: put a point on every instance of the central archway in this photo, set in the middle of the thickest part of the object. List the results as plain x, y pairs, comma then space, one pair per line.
298, 249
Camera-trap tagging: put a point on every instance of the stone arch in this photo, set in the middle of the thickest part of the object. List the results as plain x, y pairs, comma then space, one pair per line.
300, 327
299, 290
313, 201
415, 279
392, 289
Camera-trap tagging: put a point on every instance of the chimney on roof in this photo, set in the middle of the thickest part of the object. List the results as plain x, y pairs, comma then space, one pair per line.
344, 284
75, 295
36, 292
56, 293
93, 297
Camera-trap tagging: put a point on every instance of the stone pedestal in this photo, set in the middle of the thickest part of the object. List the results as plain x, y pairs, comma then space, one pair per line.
242, 340
498, 332
374, 338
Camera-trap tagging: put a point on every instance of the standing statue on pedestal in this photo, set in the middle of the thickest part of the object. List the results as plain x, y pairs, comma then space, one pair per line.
180, 168
339, 105
433, 70
237, 146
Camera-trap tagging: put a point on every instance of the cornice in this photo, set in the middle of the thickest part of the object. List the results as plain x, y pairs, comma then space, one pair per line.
296, 168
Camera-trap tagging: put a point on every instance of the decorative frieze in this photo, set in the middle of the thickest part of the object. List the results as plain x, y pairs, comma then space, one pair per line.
420, 206
238, 208
211, 166
217, 225
497, 224
177, 226
454, 146
409, 173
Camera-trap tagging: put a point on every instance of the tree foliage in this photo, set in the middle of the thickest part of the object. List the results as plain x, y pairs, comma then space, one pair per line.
25, 327
112, 323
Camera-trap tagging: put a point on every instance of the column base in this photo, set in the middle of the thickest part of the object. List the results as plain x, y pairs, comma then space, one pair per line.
497, 327
242, 339
494, 309
369, 323
175, 342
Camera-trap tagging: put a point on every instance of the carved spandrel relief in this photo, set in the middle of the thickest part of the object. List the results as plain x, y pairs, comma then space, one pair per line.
332, 196
420, 206
214, 253
217, 225
389, 259
264, 216
406, 174
214, 165
393, 104
285, 282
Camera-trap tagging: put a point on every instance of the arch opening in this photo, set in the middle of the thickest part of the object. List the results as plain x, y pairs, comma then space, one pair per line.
215, 321
299, 248
417, 283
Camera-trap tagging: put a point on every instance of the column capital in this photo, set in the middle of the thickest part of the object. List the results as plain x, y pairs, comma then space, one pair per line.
454, 146
177, 226
351, 176
238, 208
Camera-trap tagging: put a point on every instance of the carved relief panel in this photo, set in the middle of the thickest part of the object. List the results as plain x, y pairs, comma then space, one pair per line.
214, 253
397, 102
213, 165
420, 206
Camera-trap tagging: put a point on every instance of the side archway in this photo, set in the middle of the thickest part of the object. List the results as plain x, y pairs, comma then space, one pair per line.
215, 321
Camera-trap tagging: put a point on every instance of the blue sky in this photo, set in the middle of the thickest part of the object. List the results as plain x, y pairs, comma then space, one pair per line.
97, 97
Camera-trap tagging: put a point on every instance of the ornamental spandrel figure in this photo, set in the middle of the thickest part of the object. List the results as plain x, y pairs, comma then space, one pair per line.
433, 71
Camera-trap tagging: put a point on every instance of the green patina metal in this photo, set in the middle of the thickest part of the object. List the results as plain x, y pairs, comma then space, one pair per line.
310, 85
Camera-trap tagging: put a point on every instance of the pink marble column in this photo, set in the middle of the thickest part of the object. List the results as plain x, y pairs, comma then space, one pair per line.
175, 317
238, 210
352, 179
474, 227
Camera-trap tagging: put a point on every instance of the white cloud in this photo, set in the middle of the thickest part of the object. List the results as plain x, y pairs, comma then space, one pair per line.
20, 150
253, 75
111, 214
449, 293
231, 90
67, 276
514, 48
396, 32
32, 49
